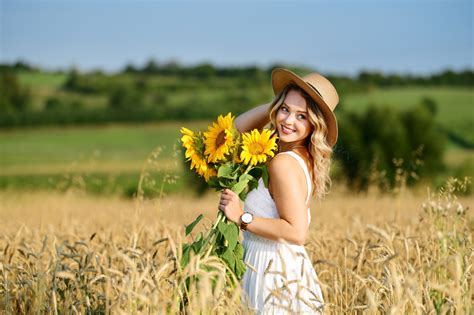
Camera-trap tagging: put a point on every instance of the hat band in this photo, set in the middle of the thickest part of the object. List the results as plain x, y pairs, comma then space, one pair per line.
315, 89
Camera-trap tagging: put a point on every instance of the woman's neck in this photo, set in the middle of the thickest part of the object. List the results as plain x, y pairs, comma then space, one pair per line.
288, 146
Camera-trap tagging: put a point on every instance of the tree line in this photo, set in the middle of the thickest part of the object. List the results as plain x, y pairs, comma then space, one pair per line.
447, 77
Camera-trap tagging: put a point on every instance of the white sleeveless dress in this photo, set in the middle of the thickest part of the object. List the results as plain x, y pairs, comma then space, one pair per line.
280, 278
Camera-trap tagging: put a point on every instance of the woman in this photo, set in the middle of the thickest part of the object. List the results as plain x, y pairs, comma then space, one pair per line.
280, 277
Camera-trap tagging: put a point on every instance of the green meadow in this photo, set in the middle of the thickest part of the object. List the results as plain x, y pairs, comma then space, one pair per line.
98, 159
109, 158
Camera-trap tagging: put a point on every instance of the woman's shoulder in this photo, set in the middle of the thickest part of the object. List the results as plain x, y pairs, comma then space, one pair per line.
285, 174
284, 165
281, 159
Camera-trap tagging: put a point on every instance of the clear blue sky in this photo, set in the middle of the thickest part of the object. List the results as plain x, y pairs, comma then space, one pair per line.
412, 36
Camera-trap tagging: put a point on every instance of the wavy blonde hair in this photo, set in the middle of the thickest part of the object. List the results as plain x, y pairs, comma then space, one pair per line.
320, 151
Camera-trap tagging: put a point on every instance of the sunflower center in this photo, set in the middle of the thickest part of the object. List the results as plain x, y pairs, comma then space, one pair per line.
220, 140
255, 148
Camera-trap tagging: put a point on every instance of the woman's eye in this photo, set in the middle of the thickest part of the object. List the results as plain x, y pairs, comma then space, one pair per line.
301, 116
284, 109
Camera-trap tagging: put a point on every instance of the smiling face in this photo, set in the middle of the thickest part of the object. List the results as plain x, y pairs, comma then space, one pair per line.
292, 119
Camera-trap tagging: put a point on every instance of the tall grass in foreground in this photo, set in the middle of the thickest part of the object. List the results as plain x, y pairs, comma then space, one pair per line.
104, 262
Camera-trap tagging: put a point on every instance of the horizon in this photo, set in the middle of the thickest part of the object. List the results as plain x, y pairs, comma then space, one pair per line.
390, 37
263, 68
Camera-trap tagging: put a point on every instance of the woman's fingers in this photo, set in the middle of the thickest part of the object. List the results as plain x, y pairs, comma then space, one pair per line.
228, 192
223, 204
227, 196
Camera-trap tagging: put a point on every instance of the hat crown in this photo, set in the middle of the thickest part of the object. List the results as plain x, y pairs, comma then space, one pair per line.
324, 88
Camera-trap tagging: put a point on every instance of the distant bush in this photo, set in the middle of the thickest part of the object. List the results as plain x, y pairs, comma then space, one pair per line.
447, 77
13, 97
53, 104
125, 100
380, 145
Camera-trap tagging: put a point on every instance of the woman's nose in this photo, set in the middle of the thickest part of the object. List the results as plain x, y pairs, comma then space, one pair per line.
289, 119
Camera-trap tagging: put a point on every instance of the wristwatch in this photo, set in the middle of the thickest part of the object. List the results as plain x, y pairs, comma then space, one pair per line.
245, 219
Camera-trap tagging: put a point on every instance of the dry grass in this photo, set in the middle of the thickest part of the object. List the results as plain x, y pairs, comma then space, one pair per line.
73, 253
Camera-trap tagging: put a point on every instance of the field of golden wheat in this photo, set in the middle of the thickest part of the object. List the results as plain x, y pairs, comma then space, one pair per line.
401, 253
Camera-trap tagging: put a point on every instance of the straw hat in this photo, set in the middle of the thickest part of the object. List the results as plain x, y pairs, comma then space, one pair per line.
318, 88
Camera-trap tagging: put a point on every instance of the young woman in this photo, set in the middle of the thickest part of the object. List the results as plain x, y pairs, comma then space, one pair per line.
280, 277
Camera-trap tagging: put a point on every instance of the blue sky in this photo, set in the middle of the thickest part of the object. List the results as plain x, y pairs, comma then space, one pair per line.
413, 36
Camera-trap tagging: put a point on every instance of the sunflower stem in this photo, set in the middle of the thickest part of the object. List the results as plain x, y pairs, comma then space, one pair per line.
211, 233
220, 217
249, 167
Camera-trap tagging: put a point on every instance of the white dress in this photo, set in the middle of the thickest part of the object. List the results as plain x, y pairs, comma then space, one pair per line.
280, 278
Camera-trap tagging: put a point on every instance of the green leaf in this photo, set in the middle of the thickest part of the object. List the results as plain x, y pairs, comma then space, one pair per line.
253, 184
256, 171
242, 184
191, 226
197, 245
214, 183
228, 257
239, 251
226, 171
185, 256
245, 177
222, 227
230, 232
232, 235
225, 183
243, 194
240, 266
265, 176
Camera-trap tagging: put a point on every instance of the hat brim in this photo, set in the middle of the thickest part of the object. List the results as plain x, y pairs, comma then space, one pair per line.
283, 77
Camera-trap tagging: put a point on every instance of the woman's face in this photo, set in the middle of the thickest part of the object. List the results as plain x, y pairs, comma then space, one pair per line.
291, 120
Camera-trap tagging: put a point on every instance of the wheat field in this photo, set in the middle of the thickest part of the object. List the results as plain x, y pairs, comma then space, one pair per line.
408, 252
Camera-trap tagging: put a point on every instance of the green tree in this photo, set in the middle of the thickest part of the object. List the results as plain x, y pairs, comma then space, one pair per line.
13, 97
72, 81
377, 144
125, 100
53, 104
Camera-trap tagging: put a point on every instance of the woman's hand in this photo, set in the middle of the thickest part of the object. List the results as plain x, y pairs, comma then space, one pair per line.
230, 205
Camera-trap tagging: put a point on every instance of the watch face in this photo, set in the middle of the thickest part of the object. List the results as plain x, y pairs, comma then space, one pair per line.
247, 218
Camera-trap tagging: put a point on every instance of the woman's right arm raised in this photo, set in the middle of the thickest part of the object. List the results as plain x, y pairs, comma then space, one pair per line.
255, 118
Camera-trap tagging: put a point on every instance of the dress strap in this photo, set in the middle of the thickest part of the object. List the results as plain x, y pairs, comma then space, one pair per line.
305, 170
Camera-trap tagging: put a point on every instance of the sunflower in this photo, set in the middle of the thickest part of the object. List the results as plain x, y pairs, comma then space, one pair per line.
193, 144
208, 173
188, 141
257, 147
219, 138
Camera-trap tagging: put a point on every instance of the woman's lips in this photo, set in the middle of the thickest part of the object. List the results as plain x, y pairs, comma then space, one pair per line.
286, 130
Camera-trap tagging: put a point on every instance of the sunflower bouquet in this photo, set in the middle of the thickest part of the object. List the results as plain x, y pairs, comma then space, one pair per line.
226, 159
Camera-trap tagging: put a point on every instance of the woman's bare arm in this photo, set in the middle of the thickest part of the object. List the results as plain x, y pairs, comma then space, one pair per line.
289, 191
256, 117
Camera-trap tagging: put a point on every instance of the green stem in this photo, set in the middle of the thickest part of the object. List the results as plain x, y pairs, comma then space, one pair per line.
220, 217
211, 233
248, 169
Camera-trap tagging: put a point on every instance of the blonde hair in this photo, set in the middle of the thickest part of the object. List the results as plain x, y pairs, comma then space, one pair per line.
320, 151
